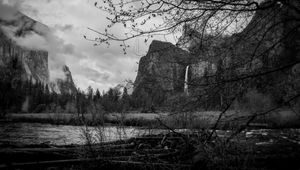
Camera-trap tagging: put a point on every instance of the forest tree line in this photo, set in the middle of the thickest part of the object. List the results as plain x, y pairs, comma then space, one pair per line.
29, 96
19, 96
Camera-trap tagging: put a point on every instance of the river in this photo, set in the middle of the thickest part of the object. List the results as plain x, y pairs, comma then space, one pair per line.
37, 133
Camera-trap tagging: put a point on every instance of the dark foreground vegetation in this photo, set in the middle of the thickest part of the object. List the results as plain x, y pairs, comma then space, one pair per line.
248, 150
252, 68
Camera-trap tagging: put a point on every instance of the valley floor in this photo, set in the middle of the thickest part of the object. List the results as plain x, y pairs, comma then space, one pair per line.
191, 120
262, 149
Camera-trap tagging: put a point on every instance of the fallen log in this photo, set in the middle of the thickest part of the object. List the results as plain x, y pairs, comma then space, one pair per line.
98, 162
157, 138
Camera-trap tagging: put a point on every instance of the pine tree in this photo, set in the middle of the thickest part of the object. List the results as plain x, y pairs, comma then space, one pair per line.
47, 95
125, 100
90, 93
97, 96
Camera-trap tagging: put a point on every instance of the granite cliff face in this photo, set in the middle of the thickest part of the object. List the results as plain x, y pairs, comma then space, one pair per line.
34, 62
270, 41
128, 85
267, 47
163, 67
64, 85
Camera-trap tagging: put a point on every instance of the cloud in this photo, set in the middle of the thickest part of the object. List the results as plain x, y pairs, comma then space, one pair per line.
68, 49
67, 21
7, 12
14, 4
37, 36
95, 75
67, 27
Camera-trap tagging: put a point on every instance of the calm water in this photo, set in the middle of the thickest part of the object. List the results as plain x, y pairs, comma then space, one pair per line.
36, 133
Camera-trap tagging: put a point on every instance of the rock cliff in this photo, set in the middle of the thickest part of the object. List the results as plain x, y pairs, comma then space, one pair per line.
269, 42
163, 67
64, 85
34, 63
266, 51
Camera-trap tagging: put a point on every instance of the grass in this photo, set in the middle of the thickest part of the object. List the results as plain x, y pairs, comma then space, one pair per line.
89, 119
191, 120
55, 118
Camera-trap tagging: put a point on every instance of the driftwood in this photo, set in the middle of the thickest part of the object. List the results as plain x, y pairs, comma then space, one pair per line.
157, 138
160, 152
153, 152
99, 162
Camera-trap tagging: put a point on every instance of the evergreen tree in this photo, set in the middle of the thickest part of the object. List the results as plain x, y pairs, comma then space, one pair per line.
47, 95
97, 96
90, 93
125, 100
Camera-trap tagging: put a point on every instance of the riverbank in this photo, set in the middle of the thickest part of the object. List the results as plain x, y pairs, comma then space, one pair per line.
191, 120
126, 119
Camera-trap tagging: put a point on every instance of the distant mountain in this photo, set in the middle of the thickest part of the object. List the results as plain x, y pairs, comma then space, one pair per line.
64, 85
128, 85
33, 64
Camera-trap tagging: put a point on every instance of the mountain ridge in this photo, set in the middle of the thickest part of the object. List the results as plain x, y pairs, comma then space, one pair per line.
33, 63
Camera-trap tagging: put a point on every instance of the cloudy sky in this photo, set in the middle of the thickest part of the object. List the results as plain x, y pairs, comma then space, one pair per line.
99, 67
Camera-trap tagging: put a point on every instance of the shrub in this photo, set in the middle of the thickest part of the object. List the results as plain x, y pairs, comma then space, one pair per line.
253, 102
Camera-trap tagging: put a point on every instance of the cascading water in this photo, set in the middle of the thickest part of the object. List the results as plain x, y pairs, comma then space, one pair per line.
186, 86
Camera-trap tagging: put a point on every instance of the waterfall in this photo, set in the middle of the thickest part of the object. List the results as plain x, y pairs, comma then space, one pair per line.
186, 86
25, 104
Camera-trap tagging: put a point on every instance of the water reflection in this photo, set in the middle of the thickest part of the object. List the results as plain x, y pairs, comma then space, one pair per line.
36, 133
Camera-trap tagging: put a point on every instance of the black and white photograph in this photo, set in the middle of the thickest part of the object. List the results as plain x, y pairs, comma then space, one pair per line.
150, 84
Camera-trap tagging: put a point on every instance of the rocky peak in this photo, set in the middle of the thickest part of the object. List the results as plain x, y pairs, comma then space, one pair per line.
128, 85
163, 67
33, 63
68, 74
64, 85
157, 46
